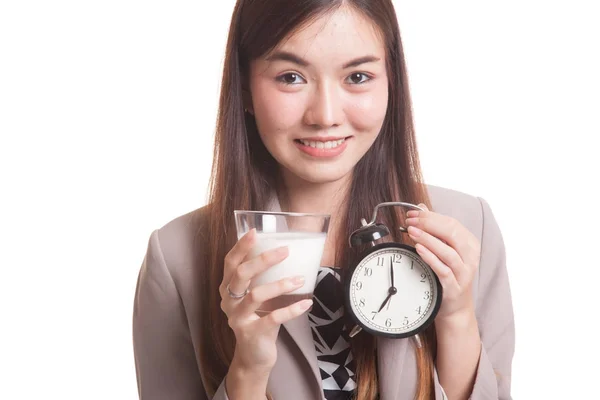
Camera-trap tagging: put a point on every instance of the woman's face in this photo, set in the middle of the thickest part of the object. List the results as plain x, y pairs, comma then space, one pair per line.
320, 97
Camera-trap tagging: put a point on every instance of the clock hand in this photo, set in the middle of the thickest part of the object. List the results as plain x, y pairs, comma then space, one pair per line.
393, 289
389, 296
392, 270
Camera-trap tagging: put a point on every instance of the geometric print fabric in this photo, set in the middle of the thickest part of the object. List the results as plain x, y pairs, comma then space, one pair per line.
330, 336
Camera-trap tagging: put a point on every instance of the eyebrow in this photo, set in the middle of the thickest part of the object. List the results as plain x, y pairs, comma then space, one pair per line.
287, 56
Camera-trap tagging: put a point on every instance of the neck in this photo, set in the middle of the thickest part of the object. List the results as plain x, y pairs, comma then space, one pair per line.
297, 195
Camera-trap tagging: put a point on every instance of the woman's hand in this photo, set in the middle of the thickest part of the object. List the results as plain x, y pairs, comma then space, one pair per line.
256, 336
452, 251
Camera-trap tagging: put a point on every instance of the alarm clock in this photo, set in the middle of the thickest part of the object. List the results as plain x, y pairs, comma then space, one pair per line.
390, 291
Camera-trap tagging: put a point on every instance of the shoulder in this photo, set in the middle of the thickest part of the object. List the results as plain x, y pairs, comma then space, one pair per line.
181, 236
178, 245
443, 197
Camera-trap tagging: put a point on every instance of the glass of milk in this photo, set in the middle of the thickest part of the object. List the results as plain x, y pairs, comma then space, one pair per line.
303, 233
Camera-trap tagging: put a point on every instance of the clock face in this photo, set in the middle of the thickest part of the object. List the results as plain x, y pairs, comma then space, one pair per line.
400, 309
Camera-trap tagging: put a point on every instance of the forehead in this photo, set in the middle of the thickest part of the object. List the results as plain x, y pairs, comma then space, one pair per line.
341, 35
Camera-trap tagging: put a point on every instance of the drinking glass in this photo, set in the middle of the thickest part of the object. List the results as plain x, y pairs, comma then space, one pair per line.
303, 233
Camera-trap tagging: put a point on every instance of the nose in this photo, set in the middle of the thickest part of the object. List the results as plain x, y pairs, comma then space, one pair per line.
325, 106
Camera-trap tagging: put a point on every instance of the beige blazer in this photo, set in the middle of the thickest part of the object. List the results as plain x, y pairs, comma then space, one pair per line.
166, 320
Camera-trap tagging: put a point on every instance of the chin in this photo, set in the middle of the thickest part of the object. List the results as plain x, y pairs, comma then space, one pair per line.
321, 174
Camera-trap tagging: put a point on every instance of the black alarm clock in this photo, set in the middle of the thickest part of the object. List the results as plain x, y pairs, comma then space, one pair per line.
390, 291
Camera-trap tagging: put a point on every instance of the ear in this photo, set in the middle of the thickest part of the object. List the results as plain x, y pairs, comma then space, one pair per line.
247, 99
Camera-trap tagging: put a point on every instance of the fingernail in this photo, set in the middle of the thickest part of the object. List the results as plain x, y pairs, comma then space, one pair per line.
305, 304
298, 280
420, 248
413, 231
282, 251
412, 221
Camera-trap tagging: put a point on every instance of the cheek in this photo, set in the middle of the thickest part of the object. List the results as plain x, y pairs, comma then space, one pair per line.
367, 111
274, 110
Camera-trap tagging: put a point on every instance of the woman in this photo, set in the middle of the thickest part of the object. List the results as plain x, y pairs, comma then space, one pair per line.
315, 116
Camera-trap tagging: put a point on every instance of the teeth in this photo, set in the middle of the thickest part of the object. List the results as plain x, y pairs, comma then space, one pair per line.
323, 145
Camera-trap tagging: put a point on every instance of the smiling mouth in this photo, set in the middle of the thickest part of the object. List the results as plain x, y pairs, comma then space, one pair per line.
318, 144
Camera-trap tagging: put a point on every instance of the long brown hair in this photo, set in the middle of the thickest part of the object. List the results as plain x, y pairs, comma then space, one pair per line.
243, 173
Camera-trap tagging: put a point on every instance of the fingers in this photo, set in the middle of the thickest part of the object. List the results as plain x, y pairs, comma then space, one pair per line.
448, 230
262, 293
282, 315
237, 254
240, 279
443, 272
444, 253
451, 251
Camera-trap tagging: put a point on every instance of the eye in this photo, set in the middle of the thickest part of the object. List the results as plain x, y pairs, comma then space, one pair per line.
358, 77
290, 78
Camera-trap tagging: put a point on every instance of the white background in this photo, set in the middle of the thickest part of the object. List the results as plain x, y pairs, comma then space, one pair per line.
107, 111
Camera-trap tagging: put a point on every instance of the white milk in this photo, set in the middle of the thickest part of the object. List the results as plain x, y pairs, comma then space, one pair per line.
305, 253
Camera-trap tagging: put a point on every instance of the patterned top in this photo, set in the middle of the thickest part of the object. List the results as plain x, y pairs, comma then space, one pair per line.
330, 336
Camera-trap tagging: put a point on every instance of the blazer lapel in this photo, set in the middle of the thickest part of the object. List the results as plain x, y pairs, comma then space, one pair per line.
299, 328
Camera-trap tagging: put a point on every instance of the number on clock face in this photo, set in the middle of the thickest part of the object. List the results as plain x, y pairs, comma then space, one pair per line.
405, 310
